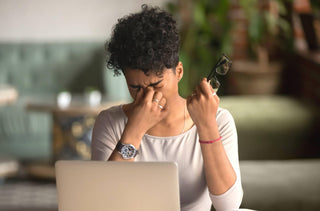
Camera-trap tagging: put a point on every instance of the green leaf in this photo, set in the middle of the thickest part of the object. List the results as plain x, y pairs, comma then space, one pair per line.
255, 27
271, 21
199, 15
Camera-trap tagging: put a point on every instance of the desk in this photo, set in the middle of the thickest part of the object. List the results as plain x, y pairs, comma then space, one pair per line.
72, 126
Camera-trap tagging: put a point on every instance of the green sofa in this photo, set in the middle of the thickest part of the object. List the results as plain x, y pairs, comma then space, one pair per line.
279, 150
44, 69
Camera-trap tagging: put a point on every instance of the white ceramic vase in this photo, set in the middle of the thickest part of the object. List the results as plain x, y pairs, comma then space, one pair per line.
93, 97
64, 99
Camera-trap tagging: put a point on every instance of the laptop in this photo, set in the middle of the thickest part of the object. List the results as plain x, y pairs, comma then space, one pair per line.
121, 186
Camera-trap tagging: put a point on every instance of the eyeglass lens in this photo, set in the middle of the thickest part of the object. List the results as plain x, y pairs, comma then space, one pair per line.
215, 83
223, 66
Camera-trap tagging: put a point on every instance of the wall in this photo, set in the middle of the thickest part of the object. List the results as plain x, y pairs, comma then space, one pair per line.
55, 20
68, 20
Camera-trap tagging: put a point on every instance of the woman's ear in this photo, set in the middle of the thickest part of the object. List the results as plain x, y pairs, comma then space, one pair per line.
179, 71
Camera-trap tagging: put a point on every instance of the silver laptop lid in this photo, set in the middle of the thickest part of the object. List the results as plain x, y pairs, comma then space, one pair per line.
121, 186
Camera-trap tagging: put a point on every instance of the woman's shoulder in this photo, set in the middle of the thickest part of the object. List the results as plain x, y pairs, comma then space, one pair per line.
112, 110
113, 113
224, 119
224, 114
226, 124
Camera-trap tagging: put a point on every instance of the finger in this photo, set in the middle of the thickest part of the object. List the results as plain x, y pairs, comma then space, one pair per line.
197, 91
211, 89
157, 97
148, 94
162, 103
139, 96
205, 87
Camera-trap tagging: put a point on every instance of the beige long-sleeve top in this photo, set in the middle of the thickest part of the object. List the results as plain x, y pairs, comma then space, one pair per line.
184, 149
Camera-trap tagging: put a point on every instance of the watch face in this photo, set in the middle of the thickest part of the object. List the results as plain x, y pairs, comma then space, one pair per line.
128, 151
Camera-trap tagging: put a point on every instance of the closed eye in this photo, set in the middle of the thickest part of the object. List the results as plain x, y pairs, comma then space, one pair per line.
155, 84
135, 87
152, 84
157, 87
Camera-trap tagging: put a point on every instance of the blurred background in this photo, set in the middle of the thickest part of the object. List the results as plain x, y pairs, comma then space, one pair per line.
54, 81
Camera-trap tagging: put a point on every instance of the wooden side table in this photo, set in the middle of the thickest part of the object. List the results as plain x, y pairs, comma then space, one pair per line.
71, 130
72, 126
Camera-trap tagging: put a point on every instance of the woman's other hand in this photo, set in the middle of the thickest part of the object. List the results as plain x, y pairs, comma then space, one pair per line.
202, 106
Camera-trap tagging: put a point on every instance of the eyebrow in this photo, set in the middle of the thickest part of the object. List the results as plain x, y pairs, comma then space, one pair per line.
152, 84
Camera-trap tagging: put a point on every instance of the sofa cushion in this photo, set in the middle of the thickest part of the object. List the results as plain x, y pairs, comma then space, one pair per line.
24, 135
37, 68
273, 127
281, 185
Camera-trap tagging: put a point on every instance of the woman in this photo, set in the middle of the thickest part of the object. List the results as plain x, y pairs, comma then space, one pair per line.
159, 125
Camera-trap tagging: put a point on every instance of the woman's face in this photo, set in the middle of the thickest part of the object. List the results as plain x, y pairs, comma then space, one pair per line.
167, 82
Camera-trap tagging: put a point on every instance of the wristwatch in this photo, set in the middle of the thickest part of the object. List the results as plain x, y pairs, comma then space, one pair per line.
127, 151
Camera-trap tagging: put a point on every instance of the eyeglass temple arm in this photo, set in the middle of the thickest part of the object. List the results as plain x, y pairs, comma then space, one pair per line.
212, 73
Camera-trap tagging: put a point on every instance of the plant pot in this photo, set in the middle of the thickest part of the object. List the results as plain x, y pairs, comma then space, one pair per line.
248, 79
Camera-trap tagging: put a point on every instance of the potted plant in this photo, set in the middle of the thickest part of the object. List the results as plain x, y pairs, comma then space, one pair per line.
265, 23
315, 5
204, 30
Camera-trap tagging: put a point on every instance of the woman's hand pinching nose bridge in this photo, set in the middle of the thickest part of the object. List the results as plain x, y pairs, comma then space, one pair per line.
148, 109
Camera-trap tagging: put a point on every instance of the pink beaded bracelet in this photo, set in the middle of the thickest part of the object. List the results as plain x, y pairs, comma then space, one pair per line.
210, 142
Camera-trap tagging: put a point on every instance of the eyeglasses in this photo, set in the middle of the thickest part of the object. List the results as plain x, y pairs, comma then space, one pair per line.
222, 67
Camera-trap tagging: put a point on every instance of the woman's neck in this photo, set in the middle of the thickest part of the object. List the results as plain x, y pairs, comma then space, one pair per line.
175, 109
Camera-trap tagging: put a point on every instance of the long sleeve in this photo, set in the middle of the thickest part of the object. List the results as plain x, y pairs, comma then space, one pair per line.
232, 198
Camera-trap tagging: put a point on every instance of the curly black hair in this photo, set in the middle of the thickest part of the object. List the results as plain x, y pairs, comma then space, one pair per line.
148, 41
